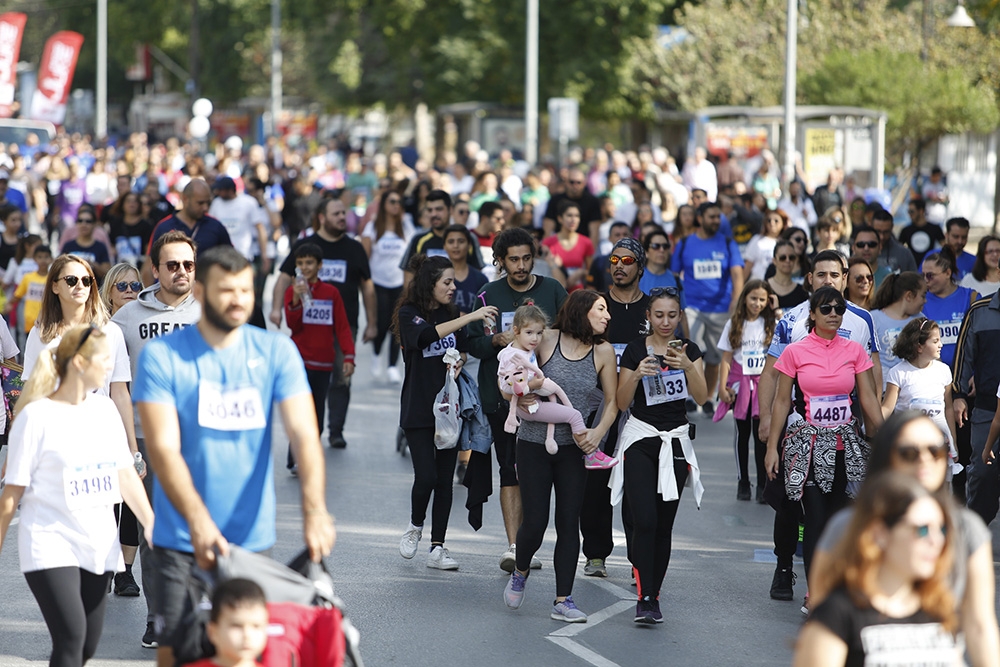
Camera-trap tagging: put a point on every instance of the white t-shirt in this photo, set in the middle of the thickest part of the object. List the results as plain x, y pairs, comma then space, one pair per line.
67, 457
16, 272
922, 389
240, 216
121, 371
753, 348
387, 253
983, 287
760, 251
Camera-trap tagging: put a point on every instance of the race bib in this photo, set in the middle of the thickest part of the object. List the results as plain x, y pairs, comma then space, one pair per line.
36, 292
231, 409
333, 271
91, 486
753, 361
619, 351
320, 312
932, 407
439, 347
669, 385
830, 411
949, 332
506, 320
707, 269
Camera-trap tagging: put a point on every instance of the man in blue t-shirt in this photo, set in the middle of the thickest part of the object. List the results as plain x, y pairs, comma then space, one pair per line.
712, 270
206, 396
956, 237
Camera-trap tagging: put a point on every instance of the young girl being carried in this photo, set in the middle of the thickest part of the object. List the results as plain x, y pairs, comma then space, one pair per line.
744, 344
921, 381
518, 374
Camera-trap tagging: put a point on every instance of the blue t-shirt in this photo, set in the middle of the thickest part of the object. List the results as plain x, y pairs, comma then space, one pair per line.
16, 198
949, 313
650, 281
705, 264
965, 262
793, 327
225, 402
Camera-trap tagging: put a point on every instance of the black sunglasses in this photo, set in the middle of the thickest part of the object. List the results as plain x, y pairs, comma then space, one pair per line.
173, 265
87, 221
73, 280
661, 291
911, 453
828, 308
866, 244
659, 246
135, 285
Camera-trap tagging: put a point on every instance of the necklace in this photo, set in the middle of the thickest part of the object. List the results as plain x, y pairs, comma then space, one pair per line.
611, 292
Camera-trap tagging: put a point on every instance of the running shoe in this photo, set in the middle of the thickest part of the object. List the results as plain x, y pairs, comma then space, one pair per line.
743, 490
782, 583
440, 559
805, 606
647, 611
708, 408
690, 405
566, 611
508, 558
337, 441
125, 585
393, 375
595, 567
513, 593
411, 538
376, 366
294, 470
149, 638
598, 460
760, 496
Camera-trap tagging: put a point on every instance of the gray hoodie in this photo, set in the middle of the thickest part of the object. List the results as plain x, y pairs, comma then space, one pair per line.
147, 318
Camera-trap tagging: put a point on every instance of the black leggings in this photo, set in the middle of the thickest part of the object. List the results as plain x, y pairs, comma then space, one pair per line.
128, 526
386, 298
537, 474
652, 516
818, 507
72, 603
743, 429
433, 470
319, 383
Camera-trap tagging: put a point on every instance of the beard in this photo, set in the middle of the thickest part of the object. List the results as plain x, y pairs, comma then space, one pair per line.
216, 319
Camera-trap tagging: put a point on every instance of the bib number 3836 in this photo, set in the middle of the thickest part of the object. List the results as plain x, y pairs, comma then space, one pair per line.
91, 486
830, 411
230, 409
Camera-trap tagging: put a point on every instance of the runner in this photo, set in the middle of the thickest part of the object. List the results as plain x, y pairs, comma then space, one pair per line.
431, 243
573, 251
656, 272
193, 218
897, 302
947, 303
790, 293
860, 285
985, 274
68, 465
214, 482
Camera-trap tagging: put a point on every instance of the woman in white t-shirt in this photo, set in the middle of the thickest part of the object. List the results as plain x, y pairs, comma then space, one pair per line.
385, 239
68, 465
760, 250
985, 274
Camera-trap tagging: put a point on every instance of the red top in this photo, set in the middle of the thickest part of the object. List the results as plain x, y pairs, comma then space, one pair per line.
313, 328
573, 258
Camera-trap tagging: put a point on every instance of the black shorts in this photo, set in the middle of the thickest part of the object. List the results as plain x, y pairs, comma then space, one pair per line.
174, 571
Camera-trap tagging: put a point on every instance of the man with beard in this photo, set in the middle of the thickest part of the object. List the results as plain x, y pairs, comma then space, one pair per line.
514, 257
438, 209
206, 397
345, 266
576, 192
159, 310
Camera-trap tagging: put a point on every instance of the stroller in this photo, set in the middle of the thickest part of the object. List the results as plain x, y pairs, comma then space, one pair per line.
307, 626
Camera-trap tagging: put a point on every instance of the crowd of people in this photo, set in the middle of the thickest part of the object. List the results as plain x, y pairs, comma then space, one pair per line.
587, 313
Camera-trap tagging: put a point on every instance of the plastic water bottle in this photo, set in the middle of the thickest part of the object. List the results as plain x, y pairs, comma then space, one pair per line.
307, 299
140, 465
658, 378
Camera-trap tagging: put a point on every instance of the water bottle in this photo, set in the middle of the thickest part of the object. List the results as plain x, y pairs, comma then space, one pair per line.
307, 299
140, 465
657, 379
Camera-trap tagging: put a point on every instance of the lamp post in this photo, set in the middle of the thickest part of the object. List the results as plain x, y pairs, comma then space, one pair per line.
791, 56
531, 87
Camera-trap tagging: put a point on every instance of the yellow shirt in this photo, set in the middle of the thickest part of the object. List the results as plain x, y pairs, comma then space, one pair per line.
31, 290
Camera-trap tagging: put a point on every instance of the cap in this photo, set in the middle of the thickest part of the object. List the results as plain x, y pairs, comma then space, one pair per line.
224, 183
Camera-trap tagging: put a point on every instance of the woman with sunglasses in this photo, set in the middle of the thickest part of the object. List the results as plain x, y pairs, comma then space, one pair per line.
985, 275
911, 444
860, 288
788, 292
658, 373
898, 301
947, 303
824, 455
657, 271
890, 602
121, 285
760, 249
800, 244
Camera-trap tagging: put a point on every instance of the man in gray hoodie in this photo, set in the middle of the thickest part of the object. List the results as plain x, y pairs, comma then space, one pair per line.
160, 309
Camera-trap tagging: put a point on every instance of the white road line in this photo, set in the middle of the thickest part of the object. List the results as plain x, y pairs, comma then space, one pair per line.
616, 590
582, 652
574, 629
15, 521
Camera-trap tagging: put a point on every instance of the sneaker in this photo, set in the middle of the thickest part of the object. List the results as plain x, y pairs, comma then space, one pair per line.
376, 366
782, 583
598, 460
393, 375
708, 408
567, 611
647, 611
535, 563
149, 637
595, 567
743, 490
337, 442
508, 559
294, 470
125, 585
805, 606
690, 405
440, 559
513, 593
411, 538
760, 496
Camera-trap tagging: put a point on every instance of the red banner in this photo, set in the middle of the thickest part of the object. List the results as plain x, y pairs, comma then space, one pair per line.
11, 31
55, 75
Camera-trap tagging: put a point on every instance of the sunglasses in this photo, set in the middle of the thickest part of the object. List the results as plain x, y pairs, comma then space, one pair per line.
866, 244
73, 280
911, 453
663, 291
85, 221
659, 246
863, 279
828, 308
928, 275
134, 285
627, 261
575, 182
173, 265
785, 258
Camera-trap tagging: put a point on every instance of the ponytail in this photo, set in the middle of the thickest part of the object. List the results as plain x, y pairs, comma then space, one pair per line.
894, 288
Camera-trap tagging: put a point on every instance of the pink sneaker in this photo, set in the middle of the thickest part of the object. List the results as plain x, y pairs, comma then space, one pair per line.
598, 460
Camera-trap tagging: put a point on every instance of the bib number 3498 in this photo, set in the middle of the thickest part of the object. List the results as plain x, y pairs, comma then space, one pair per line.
91, 486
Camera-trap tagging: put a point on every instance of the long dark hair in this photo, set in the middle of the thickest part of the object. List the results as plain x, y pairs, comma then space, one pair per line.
427, 271
895, 286
979, 269
382, 217
823, 296
740, 314
887, 439
572, 319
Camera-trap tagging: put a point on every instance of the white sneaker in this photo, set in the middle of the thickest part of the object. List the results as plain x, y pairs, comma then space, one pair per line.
509, 557
411, 538
393, 375
376, 366
440, 559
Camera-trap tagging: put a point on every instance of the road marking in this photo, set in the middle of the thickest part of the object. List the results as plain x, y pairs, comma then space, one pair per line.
574, 629
15, 521
582, 652
614, 589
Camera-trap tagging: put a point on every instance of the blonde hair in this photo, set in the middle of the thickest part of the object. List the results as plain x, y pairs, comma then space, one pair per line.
50, 318
112, 277
51, 367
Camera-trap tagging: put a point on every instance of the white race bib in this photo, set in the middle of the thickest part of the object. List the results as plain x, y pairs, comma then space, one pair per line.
440, 346
949, 332
506, 320
753, 361
707, 269
830, 411
619, 351
320, 312
36, 292
333, 271
669, 385
231, 409
932, 407
93, 485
